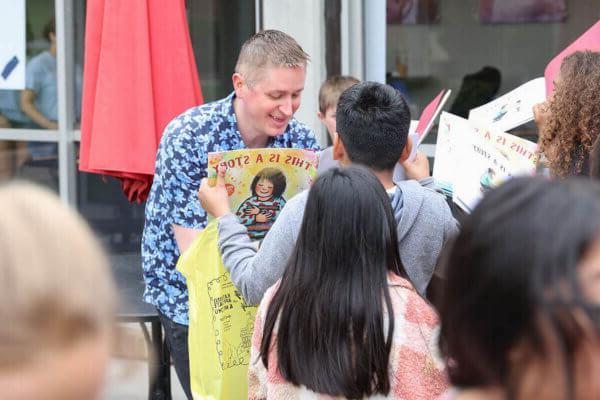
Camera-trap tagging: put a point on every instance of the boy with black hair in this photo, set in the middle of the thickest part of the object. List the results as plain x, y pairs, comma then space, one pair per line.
372, 125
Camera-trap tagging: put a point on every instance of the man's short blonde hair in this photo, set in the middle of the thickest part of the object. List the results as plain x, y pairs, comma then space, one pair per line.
269, 48
55, 283
332, 88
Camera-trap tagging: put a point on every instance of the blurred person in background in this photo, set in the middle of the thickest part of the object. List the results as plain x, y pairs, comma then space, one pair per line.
521, 305
57, 300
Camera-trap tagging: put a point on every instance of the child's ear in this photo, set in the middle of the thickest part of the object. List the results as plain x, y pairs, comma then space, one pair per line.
407, 150
339, 151
321, 116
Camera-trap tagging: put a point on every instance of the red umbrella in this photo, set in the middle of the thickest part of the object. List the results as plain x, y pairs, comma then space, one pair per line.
139, 74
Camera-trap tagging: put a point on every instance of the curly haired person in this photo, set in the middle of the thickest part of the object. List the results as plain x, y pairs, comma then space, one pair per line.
569, 121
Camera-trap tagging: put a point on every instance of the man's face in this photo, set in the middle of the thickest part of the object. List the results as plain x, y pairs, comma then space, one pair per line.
329, 120
271, 100
264, 188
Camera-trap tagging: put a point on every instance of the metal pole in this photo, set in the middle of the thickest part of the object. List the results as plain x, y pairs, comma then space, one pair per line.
66, 93
374, 42
258, 21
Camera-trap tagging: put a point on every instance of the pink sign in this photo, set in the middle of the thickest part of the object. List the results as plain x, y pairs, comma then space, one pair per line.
428, 114
590, 40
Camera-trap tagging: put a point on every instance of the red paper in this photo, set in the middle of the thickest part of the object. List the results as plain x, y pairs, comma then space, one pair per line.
428, 113
590, 40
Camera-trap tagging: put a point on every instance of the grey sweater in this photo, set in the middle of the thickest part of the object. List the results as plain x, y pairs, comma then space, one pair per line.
424, 220
326, 162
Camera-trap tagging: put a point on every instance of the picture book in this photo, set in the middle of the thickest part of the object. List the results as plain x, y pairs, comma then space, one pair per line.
444, 166
480, 166
472, 158
426, 120
512, 109
260, 181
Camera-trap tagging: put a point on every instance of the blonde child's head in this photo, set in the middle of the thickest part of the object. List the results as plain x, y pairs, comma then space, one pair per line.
329, 94
57, 299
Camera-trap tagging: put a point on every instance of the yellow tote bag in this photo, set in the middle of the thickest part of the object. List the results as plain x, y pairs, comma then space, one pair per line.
221, 322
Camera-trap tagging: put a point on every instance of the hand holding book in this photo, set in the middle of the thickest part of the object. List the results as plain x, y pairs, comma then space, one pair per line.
214, 198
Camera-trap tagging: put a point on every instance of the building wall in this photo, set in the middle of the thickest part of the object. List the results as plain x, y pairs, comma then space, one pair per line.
304, 20
439, 55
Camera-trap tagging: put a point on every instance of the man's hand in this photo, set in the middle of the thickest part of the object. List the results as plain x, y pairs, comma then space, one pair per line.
418, 168
214, 199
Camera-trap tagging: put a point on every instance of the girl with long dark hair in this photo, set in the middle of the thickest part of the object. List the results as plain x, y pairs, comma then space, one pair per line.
520, 307
344, 320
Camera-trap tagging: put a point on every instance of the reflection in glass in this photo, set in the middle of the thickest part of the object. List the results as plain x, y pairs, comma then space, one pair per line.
116, 222
16, 162
218, 28
36, 106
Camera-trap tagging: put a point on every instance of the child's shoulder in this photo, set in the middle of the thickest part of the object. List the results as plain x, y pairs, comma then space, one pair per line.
412, 188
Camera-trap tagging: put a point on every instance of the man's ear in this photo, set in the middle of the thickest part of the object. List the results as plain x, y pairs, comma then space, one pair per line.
407, 150
238, 84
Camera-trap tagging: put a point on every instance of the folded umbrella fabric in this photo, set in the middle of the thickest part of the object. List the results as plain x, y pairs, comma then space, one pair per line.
139, 73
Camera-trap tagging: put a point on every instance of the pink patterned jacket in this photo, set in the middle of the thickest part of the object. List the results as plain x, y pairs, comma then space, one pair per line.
416, 370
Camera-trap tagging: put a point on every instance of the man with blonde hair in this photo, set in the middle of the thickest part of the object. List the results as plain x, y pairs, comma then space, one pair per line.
268, 82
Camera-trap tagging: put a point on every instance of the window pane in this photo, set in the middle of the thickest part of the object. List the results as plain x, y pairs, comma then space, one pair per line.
79, 9
218, 28
436, 44
116, 222
35, 107
17, 162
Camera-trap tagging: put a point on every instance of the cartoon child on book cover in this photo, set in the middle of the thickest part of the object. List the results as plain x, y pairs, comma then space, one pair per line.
259, 211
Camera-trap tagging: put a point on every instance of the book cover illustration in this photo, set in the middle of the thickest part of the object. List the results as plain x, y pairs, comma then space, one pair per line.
471, 159
260, 181
513, 109
480, 167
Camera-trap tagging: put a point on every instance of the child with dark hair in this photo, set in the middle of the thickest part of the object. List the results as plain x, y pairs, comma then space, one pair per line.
519, 311
259, 211
344, 319
569, 121
372, 131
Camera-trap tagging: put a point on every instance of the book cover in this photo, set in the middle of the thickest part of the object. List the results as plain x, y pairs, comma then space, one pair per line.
472, 158
444, 166
420, 128
512, 109
260, 181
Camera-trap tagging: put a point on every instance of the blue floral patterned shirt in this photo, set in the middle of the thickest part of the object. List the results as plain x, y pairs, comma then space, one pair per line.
181, 163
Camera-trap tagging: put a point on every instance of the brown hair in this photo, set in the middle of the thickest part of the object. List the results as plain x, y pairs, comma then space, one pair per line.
49, 28
573, 123
332, 88
55, 285
269, 48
